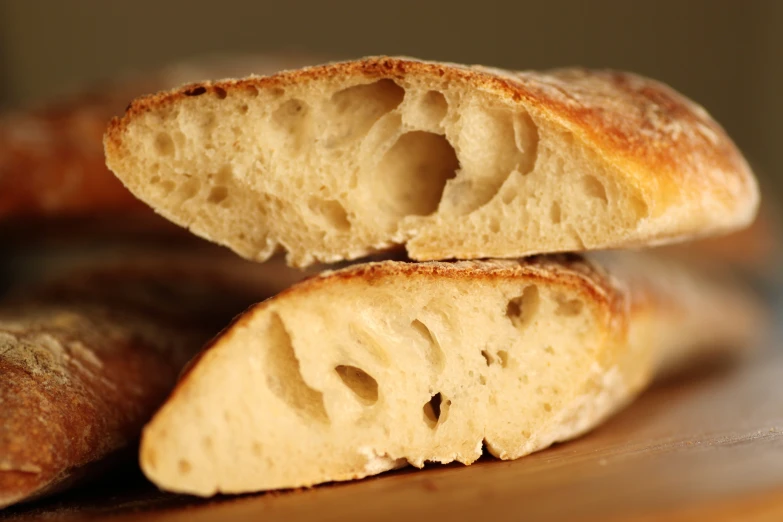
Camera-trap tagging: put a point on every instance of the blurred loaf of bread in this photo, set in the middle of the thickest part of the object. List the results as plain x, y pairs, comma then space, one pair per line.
53, 177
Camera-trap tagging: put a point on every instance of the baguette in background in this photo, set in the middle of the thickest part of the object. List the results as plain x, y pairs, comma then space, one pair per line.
52, 165
88, 357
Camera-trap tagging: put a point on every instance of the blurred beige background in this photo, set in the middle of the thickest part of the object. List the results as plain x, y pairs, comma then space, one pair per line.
726, 54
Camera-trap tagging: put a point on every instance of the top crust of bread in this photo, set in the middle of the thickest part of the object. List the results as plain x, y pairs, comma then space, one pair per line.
638, 122
668, 157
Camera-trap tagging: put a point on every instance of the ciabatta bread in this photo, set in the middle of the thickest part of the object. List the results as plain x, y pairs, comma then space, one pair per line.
361, 370
85, 360
337, 161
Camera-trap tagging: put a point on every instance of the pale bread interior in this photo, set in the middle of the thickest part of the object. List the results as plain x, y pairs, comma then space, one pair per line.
340, 167
351, 376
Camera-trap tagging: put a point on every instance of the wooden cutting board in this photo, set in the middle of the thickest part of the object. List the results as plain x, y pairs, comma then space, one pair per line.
706, 446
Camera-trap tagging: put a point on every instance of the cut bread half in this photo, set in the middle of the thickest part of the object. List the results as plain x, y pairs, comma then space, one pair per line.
365, 369
341, 160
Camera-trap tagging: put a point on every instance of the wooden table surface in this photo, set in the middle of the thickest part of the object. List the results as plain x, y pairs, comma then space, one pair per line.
706, 446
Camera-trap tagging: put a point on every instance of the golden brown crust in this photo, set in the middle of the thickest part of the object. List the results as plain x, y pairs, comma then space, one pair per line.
645, 126
666, 145
64, 414
86, 360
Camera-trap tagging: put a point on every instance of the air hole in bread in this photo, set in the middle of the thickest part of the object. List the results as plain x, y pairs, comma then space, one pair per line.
184, 466
494, 224
521, 310
500, 358
353, 111
220, 92
196, 90
217, 195
594, 188
568, 307
208, 123
639, 206
413, 173
284, 377
257, 448
435, 410
331, 212
526, 139
376, 98
555, 214
549, 350
164, 144
188, 190
154, 180
291, 117
224, 176
434, 352
167, 187
547, 407
434, 106
242, 110
485, 169
359, 382
252, 91
509, 195
207, 443
289, 110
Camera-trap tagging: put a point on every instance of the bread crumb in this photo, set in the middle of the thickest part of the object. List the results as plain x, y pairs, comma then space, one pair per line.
379, 462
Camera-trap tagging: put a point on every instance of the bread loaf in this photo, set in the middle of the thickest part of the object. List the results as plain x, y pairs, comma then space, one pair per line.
376, 366
341, 160
85, 360
51, 156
